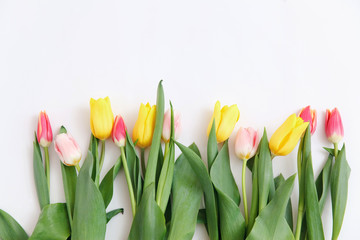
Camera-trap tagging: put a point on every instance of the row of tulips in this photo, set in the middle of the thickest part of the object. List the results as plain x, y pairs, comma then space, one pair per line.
166, 194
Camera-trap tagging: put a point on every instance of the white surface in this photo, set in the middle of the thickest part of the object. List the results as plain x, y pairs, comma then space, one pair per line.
270, 57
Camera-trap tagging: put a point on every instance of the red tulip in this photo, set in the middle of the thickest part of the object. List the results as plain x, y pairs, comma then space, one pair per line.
44, 132
333, 126
309, 115
119, 131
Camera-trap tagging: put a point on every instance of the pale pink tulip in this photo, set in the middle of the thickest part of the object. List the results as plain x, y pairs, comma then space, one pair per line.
167, 125
246, 143
309, 115
44, 132
119, 131
67, 149
333, 126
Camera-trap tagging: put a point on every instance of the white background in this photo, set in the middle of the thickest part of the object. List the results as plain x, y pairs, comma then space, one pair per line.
270, 57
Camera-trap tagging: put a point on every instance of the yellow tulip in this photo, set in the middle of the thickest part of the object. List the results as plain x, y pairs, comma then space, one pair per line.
101, 118
144, 126
285, 138
225, 120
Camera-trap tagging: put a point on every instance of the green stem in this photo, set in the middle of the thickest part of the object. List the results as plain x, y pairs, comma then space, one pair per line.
244, 192
102, 155
299, 218
335, 149
301, 197
47, 166
143, 161
128, 180
77, 167
161, 184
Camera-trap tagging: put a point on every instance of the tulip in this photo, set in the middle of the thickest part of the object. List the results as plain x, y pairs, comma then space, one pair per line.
119, 131
144, 126
44, 132
246, 143
225, 120
333, 126
285, 138
67, 149
167, 125
309, 115
101, 118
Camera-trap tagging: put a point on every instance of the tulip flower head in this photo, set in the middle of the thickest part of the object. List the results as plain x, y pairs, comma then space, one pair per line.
309, 115
119, 131
167, 125
285, 138
225, 120
101, 118
44, 132
333, 126
144, 126
246, 143
67, 149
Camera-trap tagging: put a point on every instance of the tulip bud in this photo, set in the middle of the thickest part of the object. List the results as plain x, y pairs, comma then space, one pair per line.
119, 131
225, 120
246, 143
44, 132
309, 115
101, 118
67, 149
285, 138
144, 126
167, 125
333, 126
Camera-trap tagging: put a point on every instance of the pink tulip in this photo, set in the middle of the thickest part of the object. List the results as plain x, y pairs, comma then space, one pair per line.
167, 125
246, 143
44, 132
333, 126
119, 131
67, 149
309, 115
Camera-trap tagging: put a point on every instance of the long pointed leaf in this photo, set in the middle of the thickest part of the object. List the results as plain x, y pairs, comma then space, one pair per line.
186, 192
10, 229
271, 223
279, 180
42, 188
89, 212
155, 144
201, 172
53, 223
212, 146
339, 190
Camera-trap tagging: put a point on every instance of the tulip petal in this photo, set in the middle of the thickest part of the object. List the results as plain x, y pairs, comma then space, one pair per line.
216, 116
291, 140
229, 117
284, 130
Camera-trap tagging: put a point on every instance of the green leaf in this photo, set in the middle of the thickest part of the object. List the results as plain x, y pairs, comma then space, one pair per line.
155, 143
113, 213
313, 216
212, 146
232, 223
279, 180
149, 221
10, 229
89, 212
42, 188
271, 223
323, 182
254, 209
69, 182
339, 190
106, 185
93, 148
202, 174
187, 195
133, 162
53, 223
265, 177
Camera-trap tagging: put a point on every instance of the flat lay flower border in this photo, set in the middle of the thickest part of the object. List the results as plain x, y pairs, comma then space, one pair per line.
166, 193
